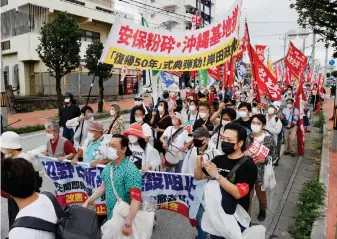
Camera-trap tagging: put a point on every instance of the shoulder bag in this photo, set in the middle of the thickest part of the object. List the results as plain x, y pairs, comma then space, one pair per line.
142, 224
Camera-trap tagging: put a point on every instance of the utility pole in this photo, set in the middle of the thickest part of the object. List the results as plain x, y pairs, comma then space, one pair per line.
313, 50
326, 63
284, 44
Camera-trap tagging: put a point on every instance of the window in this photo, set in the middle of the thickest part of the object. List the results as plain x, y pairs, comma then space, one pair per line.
76, 2
104, 10
4, 3
6, 45
90, 36
6, 69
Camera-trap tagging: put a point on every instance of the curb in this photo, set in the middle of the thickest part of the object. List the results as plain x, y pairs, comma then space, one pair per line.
320, 225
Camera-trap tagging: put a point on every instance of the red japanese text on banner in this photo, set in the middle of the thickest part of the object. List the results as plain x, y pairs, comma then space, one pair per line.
295, 60
137, 46
215, 72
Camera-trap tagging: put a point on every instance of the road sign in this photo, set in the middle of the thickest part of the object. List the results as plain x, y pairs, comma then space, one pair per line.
303, 34
332, 62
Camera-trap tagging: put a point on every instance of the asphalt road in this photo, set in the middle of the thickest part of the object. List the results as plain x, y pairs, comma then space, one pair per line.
169, 225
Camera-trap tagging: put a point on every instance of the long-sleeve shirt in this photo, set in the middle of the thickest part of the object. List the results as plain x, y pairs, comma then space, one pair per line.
68, 113
291, 118
274, 126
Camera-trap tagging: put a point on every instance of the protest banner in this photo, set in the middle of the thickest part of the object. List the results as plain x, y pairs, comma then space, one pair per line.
137, 46
295, 60
260, 51
75, 183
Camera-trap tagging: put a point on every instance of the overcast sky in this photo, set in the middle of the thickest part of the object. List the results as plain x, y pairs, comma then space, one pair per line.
268, 21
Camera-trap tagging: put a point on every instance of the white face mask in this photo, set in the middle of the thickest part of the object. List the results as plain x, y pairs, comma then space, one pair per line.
289, 106
133, 139
90, 136
138, 102
271, 110
289, 92
255, 128
174, 121
112, 154
50, 136
88, 116
192, 107
203, 115
242, 114
160, 109
112, 112
67, 100
225, 122
139, 119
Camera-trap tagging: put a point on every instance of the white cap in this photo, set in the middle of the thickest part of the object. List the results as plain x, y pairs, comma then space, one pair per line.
276, 105
10, 140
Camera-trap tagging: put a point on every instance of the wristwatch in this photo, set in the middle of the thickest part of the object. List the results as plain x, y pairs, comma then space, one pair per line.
127, 225
218, 176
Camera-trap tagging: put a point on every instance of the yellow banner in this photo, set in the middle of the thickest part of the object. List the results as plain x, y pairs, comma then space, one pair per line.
215, 57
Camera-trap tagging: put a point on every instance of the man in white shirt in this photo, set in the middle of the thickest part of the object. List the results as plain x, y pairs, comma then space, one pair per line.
274, 124
18, 180
139, 117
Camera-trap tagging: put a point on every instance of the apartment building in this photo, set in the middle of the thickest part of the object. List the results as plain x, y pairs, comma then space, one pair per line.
21, 21
177, 14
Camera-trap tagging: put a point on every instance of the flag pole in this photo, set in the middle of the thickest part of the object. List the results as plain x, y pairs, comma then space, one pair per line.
252, 62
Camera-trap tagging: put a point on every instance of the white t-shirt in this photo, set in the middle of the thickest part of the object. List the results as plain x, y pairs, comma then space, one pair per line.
147, 132
42, 208
180, 139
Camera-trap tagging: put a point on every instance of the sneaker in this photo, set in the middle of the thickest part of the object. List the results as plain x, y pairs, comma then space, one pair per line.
286, 153
261, 216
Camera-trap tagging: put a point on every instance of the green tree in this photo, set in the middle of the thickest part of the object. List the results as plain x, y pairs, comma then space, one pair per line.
334, 74
59, 48
320, 16
100, 70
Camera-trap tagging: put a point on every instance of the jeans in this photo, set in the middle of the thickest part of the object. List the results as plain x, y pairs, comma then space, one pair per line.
201, 233
179, 166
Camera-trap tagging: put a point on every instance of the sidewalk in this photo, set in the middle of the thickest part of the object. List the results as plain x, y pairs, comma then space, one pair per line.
40, 117
332, 200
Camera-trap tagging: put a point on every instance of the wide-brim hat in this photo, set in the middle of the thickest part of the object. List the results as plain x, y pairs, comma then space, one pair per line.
10, 140
135, 130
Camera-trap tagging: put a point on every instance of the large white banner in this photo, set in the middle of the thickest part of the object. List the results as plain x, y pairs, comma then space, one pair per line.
138, 46
75, 183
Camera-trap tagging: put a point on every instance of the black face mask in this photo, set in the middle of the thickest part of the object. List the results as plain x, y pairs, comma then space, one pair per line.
198, 142
227, 147
254, 104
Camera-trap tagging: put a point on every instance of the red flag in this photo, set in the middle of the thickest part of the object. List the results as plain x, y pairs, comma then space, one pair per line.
288, 77
196, 21
300, 100
243, 43
295, 60
320, 85
265, 80
309, 75
260, 51
215, 72
227, 68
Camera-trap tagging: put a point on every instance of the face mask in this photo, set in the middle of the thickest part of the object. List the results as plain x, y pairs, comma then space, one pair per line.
227, 147
133, 139
271, 110
289, 106
90, 136
225, 122
289, 92
203, 115
160, 108
50, 136
112, 154
255, 128
138, 102
174, 121
112, 112
139, 119
242, 114
67, 100
192, 108
88, 116
198, 142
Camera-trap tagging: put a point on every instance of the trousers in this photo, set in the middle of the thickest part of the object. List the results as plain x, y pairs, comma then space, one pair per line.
261, 196
290, 140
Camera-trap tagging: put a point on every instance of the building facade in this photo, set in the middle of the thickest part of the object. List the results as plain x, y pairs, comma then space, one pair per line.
177, 14
21, 21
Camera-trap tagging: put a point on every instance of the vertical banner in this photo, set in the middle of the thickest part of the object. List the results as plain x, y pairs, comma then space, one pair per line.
260, 52
300, 100
295, 60
203, 78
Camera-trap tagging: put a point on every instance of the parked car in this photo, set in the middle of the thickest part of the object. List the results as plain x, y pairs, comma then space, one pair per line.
147, 89
330, 80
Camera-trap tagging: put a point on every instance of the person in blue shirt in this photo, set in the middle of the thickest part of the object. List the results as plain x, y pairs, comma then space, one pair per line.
291, 115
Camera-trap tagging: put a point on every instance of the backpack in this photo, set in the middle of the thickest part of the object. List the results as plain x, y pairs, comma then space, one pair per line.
75, 222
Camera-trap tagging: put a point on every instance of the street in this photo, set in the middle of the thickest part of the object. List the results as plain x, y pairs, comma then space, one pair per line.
170, 225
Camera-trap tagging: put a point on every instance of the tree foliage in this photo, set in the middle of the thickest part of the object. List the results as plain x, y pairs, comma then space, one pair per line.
98, 69
59, 47
320, 16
